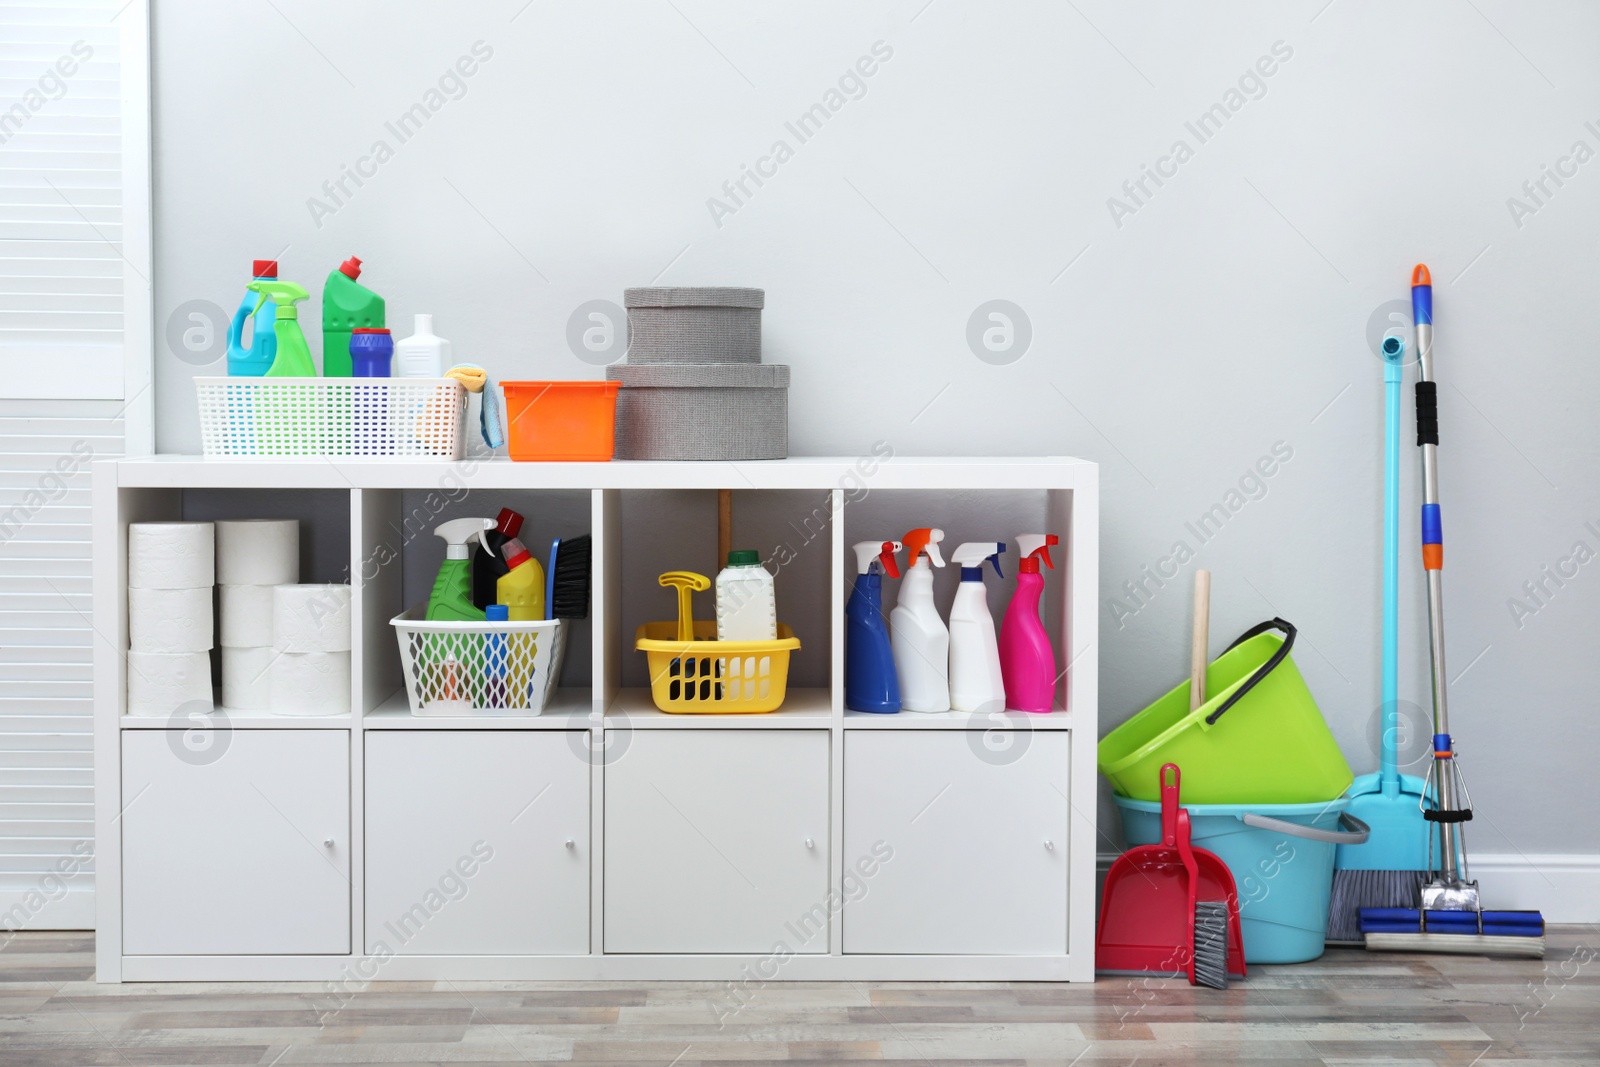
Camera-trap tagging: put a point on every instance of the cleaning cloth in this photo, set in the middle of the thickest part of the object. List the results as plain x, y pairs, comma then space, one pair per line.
477, 380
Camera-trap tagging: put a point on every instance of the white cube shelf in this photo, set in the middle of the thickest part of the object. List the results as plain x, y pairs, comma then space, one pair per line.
603, 839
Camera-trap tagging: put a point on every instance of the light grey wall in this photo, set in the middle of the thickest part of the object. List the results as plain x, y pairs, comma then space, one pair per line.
1230, 313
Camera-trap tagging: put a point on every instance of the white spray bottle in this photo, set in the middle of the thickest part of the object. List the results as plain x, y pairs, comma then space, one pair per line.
975, 682
919, 636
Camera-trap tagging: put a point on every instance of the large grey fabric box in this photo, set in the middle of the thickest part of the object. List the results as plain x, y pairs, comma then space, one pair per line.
694, 325
702, 411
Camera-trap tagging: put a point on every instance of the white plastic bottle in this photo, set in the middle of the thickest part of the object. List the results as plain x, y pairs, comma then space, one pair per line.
423, 354
918, 635
747, 604
975, 681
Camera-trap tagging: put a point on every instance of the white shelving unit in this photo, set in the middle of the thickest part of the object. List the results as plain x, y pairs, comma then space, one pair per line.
602, 839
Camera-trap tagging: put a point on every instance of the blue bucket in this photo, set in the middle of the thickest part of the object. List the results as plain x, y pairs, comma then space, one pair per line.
1281, 856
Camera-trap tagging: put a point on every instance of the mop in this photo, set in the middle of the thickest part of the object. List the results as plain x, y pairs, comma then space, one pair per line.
1451, 917
1390, 868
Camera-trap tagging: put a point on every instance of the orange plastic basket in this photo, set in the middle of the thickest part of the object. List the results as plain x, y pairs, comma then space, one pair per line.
707, 675
561, 420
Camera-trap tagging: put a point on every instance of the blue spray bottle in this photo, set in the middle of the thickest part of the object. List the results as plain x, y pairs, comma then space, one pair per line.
871, 682
253, 362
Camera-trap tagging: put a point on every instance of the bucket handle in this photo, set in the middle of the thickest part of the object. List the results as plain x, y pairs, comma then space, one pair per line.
1262, 671
1356, 834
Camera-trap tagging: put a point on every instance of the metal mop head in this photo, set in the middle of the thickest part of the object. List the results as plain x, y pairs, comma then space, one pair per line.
1211, 943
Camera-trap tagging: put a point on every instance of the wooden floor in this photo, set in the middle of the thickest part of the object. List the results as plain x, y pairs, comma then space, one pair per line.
1346, 1008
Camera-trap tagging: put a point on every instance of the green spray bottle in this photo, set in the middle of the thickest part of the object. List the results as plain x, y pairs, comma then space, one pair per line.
452, 589
294, 355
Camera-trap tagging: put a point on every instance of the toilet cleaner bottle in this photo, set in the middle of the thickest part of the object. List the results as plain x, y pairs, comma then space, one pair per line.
918, 635
975, 683
1027, 660
871, 682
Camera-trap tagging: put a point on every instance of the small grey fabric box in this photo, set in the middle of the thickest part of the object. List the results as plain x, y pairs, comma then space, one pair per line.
702, 411
694, 325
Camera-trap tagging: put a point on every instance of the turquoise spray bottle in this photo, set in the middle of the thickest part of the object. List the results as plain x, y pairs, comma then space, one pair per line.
253, 361
294, 355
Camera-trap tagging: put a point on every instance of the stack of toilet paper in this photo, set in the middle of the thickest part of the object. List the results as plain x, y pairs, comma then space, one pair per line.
253, 556
171, 569
311, 642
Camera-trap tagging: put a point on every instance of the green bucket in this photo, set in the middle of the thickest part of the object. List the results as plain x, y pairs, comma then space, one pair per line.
1259, 740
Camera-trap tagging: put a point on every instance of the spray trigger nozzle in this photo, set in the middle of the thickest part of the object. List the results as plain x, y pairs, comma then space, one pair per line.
879, 552
1034, 547
923, 541
284, 294
972, 554
458, 534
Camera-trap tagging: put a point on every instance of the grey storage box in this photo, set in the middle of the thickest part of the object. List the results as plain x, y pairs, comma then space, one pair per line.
694, 325
705, 411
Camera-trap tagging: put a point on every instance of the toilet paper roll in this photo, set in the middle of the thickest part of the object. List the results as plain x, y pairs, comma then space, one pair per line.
170, 620
311, 683
258, 551
311, 618
171, 555
160, 683
247, 678
246, 616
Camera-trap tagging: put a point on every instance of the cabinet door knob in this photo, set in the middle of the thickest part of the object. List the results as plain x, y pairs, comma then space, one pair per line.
570, 844
1050, 846
327, 843
810, 843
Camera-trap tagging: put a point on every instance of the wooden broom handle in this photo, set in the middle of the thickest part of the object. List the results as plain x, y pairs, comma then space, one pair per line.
1198, 657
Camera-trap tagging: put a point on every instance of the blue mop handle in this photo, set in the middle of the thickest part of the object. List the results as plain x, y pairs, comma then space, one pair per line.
1393, 374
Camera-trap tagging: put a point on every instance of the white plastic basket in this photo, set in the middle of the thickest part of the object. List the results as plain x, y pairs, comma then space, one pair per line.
479, 668
409, 418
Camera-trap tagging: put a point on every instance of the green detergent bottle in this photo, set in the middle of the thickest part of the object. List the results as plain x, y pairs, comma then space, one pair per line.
294, 355
452, 589
346, 305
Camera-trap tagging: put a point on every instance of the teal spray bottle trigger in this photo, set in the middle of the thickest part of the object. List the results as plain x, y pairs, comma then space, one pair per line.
294, 355
451, 600
975, 680
871, 682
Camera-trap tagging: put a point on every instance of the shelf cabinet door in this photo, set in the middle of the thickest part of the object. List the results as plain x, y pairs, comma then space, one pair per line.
240, 848
477, 842
717, 841
976, 843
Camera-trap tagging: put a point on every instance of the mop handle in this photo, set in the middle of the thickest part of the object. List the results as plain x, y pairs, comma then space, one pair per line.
1447, 815
1432, 524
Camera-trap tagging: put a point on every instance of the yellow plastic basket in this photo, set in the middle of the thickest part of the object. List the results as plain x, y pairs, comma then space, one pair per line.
710, 676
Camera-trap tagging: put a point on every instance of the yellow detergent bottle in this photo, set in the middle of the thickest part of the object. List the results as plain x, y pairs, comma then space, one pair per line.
521, 590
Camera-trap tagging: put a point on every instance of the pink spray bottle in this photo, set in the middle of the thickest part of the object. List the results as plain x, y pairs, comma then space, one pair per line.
1027, 662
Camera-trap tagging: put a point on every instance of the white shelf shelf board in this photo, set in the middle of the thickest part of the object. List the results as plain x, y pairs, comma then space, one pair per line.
568, 709
799, 472
957, 720
801, 708
226, 718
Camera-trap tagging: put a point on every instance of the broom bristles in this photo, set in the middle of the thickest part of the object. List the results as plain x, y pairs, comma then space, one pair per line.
1354, 890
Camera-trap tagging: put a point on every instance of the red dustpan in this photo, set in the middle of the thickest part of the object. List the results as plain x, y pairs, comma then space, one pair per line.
1147, 908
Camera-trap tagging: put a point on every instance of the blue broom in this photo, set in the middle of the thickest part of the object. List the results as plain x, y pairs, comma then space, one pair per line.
1389, 870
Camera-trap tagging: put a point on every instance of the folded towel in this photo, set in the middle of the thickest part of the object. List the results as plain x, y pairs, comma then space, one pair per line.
477, 380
